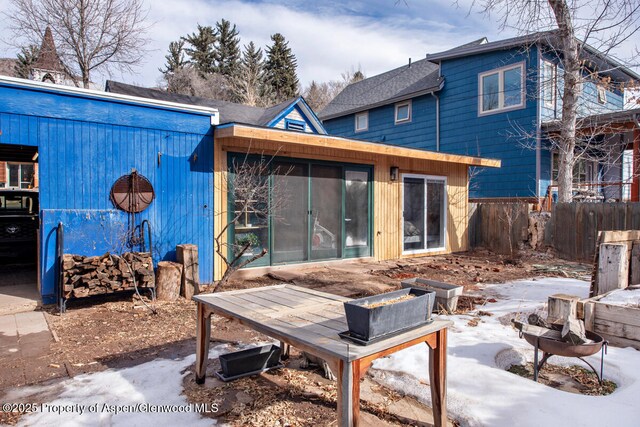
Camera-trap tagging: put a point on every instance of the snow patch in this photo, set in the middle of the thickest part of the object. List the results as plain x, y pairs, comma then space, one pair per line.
624, 297
480, 392
158, 382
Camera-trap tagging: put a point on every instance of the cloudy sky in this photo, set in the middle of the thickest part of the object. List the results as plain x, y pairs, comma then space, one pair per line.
327, 37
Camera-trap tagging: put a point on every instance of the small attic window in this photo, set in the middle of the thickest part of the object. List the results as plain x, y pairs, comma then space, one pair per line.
295, 125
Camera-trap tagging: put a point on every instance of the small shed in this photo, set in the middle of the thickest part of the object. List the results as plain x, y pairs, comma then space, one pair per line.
82, 141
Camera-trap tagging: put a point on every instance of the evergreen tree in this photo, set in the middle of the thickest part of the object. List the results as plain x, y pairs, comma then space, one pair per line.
227, 53
175, 58
202, 49
27, 56
280, 69
248, 83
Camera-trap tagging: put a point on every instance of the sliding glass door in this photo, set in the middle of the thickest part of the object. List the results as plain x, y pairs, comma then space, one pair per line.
424, 213
357, 199
326, 213
290, 223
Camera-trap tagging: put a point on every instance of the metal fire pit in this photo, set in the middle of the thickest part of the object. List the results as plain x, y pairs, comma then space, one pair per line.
551, 347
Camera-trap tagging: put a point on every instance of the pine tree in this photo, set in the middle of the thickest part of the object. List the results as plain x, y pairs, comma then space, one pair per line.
27, 56
202, 49
175, 58
248, 83
280, 69
227, 52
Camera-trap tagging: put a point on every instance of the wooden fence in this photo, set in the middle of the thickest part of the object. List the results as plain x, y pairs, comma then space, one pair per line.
572, 231
575, 226
491, 224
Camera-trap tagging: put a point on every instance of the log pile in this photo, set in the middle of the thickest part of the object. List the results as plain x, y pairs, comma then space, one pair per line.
84, 276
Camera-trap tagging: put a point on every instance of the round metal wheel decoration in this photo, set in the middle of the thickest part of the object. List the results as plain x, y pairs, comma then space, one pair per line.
132, 193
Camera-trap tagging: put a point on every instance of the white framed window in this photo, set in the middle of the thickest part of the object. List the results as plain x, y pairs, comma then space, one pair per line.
20, 175
585, 171
549, 83
424, 213
602, 95
403, 112
362, 121
501, 89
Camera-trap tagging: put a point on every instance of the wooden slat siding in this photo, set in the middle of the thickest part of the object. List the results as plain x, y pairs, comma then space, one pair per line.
387, 194
220, 204
80, 160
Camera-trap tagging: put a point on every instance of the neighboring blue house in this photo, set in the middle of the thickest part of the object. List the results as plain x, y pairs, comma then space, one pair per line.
495, 100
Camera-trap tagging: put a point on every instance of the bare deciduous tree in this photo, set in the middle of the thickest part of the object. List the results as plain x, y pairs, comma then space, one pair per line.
189, 81
90, 35
252, 193
319, 94
579, 33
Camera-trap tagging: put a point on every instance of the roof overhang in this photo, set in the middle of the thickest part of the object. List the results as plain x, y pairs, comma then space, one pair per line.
607, 123
249, 133
606, 63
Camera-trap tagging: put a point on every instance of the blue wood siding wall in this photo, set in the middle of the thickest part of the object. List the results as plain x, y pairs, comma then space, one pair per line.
508, 136
81, 156
419, 133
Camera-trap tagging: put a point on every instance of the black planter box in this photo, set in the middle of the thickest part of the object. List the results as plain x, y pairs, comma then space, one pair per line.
368, 323
249, 361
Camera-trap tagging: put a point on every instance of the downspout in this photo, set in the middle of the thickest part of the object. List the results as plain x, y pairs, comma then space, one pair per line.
437, 120
635, 161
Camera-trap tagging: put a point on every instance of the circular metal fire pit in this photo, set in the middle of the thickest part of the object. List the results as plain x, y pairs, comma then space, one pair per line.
551, 347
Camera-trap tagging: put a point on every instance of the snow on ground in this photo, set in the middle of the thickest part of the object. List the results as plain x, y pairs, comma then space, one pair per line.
158, 382
627, 297
481, 392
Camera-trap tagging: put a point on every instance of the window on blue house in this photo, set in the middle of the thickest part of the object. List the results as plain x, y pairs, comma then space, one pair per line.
602, 95
362, 121
501, 89
403, 112
549, 84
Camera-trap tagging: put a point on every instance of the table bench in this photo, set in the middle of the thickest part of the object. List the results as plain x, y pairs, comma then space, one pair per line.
310, 321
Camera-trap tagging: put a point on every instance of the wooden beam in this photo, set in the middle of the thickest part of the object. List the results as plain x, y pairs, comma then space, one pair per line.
336, 143
635, 184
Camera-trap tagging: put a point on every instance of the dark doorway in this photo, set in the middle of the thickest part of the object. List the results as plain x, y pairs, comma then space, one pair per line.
19, 219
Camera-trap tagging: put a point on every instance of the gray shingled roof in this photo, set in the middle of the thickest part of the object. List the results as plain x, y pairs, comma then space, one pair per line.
229, 112
402, 83
609, 65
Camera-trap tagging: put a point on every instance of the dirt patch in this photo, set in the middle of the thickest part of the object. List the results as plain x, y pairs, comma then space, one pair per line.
481, 266
573, 379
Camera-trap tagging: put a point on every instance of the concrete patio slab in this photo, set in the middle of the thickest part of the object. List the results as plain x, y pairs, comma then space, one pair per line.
18, 298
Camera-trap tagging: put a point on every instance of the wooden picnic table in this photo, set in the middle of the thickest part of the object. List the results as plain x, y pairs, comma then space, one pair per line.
310, 321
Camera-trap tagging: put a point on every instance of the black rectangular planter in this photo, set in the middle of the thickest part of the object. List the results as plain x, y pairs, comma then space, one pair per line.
368, 323
245, 361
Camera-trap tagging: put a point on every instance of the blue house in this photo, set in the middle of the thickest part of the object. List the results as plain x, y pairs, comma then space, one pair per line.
70, 145
494, 99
